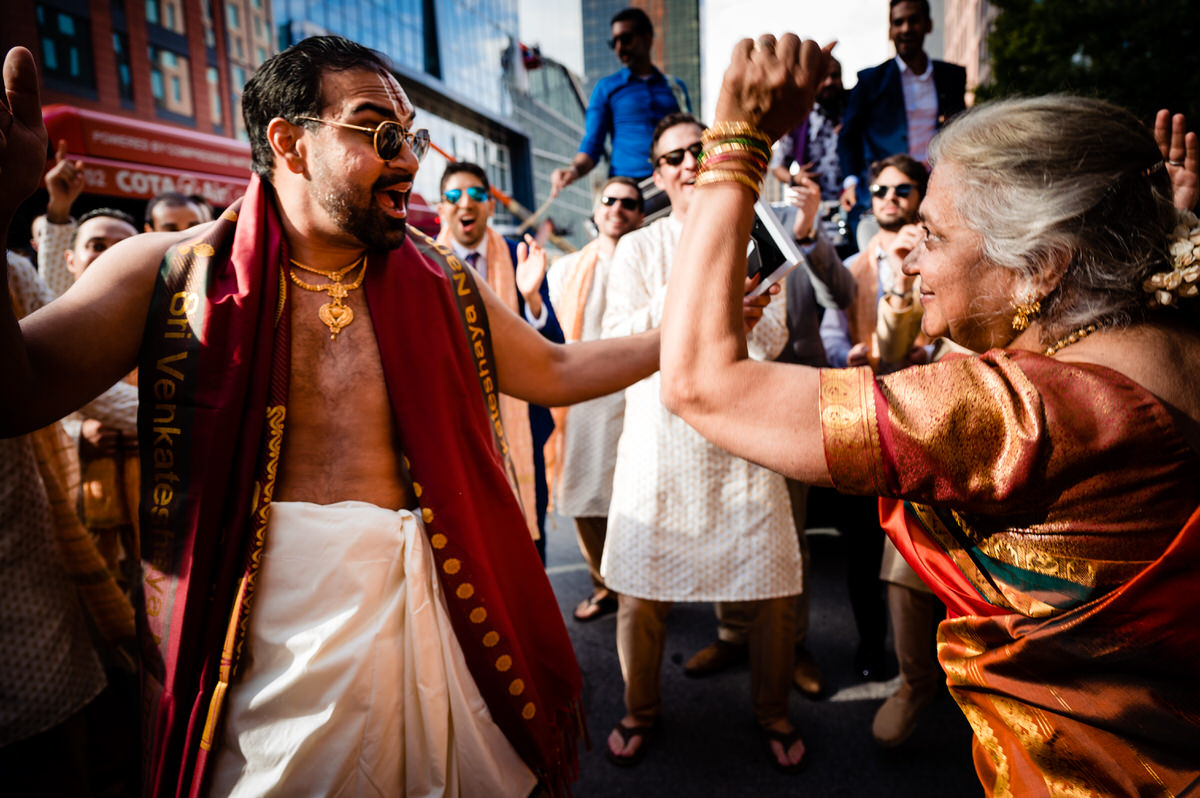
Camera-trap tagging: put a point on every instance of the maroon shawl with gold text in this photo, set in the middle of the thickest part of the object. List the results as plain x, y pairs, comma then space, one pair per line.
213, 414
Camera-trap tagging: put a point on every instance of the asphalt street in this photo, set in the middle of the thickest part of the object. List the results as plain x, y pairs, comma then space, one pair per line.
707, 742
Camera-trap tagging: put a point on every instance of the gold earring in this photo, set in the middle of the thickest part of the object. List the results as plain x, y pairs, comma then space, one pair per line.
1025, 311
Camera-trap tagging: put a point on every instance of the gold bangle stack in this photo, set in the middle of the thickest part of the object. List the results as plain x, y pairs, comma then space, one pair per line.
734, 152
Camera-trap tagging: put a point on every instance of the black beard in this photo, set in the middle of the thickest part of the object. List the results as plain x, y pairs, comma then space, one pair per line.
892, 227
364, 220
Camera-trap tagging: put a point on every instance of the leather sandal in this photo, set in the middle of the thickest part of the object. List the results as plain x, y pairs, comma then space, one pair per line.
592, 608
786, 740
629, 733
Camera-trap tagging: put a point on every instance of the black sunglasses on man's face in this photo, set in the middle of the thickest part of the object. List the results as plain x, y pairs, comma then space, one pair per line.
628, 203
623, 39
675, 157
880, 190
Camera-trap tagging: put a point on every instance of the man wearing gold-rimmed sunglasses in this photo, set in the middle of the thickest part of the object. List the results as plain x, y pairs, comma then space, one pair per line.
340, 592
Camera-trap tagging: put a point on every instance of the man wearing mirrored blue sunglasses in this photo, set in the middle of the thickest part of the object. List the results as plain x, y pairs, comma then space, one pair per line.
515, 272
626, 105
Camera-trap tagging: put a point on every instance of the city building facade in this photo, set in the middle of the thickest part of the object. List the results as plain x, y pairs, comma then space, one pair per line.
483, 96
968, 23
148, 92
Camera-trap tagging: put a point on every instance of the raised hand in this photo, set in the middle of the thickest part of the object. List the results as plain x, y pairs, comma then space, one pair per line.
64, 184
907, 239
772, 84
22, 134
805, 196
560, 179
1181, 151
531, 270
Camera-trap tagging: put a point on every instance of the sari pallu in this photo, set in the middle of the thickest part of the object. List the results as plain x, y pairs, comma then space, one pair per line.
213, 416
1053, 508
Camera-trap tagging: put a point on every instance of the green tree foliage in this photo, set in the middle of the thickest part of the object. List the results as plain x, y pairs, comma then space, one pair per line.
1142, 54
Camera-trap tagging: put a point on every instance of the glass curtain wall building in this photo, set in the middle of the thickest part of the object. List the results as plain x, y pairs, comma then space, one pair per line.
461, 63
676, 39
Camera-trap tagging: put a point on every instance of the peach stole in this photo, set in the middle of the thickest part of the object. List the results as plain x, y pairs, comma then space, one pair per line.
514, 412
862, 315
570, 317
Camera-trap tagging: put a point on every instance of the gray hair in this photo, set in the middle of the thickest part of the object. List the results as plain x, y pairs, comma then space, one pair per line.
1058, 179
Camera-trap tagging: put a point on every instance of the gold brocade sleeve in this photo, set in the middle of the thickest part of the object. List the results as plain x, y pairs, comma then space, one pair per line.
850, 432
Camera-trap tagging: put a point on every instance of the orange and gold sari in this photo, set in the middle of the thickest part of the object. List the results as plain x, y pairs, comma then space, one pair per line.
1055, 509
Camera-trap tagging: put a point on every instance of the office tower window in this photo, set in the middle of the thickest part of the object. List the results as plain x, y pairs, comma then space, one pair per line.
66, 50
170, 83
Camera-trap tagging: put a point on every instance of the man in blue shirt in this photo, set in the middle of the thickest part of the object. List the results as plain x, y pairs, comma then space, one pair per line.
626, 105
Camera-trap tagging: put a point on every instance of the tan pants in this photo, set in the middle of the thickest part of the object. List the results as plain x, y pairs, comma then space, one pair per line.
912, 613
733, 623
591, 532
641, 632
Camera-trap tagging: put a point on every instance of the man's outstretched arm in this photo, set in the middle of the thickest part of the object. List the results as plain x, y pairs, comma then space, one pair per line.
542, 372
66, 353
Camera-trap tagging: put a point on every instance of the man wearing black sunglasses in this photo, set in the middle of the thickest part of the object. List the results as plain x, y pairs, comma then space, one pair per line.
897, 184
625, 105
681, 509
584, 447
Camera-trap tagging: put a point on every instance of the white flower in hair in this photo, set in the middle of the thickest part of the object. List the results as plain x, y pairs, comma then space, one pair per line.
1183, 281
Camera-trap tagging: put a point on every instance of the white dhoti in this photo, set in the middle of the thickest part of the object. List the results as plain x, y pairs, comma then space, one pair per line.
352, 681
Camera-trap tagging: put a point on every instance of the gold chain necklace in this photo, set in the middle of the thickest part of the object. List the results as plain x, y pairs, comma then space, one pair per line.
334, 314
1072, 338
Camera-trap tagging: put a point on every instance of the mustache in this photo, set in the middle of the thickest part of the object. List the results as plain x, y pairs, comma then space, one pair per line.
384, 183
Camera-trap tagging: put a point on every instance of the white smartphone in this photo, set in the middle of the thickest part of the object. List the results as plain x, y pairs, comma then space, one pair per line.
772, 252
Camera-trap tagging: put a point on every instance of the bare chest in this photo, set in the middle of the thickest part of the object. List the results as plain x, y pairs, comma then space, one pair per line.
340, 440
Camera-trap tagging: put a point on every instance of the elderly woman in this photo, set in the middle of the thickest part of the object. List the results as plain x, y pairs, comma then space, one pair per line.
1047, 489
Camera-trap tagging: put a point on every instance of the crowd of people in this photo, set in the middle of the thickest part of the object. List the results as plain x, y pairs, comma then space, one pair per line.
276, 483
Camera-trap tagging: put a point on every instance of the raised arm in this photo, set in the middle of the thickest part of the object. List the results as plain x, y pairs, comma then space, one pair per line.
537, 370
71, 350
765, 412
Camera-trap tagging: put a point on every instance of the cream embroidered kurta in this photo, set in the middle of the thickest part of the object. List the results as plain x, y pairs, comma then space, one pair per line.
688, 521
584, 488
48, 667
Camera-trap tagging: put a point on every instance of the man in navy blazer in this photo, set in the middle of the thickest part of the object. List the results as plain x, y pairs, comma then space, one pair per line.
897, 106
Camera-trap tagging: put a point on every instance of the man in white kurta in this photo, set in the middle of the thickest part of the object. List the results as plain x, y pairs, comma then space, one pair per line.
582, 452
688, 521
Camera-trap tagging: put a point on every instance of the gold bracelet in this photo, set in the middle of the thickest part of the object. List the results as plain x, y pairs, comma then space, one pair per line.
755, 172
727, 176
733, 146
757, 162
728, 129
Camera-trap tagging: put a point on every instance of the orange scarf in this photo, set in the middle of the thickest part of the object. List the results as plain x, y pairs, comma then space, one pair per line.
576, 289
514, 412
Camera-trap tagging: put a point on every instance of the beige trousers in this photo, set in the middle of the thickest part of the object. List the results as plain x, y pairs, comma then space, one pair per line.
912, 613
591, 532
641, 633
733, 622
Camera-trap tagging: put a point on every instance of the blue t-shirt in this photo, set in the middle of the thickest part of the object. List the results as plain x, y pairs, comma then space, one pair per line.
627, 108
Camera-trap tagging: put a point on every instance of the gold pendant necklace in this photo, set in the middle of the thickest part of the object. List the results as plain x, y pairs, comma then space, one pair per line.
334, 314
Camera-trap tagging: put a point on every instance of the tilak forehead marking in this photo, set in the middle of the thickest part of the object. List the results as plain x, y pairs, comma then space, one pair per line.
395, 94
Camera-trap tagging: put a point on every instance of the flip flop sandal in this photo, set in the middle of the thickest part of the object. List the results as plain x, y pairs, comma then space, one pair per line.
786, 740
604, 606
629, 733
